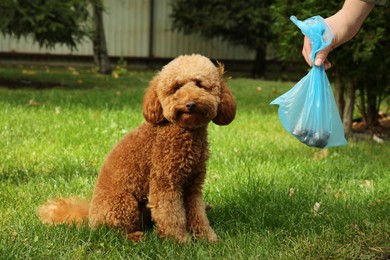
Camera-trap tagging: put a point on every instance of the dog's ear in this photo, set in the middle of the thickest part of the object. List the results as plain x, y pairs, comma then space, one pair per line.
151, 107
227, 106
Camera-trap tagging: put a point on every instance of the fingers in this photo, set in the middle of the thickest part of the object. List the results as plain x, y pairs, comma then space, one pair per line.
306, 50
320, 58
327, 65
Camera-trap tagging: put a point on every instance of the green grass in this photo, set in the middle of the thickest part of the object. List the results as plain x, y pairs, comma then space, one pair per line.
54, 140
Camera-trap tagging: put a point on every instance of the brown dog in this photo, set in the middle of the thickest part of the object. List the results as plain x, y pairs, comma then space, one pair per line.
158, 169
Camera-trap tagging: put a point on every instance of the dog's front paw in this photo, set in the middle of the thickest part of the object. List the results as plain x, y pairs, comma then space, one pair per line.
212, 237
207, 234
135, 236
180, 237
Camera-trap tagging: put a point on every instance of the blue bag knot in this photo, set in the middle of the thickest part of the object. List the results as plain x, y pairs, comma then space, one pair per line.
319, 33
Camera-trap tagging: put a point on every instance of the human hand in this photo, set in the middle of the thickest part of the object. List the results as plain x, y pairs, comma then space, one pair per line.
321, 56
344, 24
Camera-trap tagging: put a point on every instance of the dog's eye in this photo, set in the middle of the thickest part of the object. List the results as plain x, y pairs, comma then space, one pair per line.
198, 83
177, 86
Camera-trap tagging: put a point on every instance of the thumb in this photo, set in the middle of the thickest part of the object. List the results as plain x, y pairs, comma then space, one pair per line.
321, 56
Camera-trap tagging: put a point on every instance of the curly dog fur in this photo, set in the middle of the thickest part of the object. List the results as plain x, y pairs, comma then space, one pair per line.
156, 172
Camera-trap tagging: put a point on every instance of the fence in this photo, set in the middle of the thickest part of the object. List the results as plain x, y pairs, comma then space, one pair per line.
136, 29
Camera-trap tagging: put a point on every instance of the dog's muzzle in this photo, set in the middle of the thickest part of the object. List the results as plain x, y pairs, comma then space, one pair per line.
190, 106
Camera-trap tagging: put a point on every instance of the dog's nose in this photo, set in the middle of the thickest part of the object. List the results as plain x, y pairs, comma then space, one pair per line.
190, 106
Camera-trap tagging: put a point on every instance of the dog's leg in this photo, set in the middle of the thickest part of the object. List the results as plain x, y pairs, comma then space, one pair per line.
196, 214
197, 220
118, 210
168, 212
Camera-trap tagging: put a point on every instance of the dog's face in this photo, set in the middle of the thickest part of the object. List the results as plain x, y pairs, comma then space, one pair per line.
190, 92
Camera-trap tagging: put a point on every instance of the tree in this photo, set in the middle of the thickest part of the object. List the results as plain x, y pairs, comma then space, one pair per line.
50, 22
100, 52
374, 77
246, 23
47, 21
353, 63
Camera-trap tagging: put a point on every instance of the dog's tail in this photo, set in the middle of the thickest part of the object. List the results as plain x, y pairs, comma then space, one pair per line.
69, 211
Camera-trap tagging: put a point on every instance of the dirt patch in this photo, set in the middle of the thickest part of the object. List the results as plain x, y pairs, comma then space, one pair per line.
377, 133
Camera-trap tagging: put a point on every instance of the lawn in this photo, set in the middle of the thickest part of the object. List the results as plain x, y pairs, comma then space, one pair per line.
271, 197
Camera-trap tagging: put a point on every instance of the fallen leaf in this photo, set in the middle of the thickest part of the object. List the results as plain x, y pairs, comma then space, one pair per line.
323, 153
28, 72
355, 227
291, 193
367, 184
58, 110
32, 103
377, 139
375, 203
14, 235
115, 74
316, 208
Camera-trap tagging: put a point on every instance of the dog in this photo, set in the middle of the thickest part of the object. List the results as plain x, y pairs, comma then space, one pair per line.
155, 173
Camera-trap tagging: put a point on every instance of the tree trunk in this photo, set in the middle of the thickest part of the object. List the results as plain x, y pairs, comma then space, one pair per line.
100, 53
348, 108
372, 111
339, 93
258, 69
362, 104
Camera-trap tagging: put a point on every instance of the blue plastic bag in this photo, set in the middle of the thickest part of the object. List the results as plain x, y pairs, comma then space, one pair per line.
308, 111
